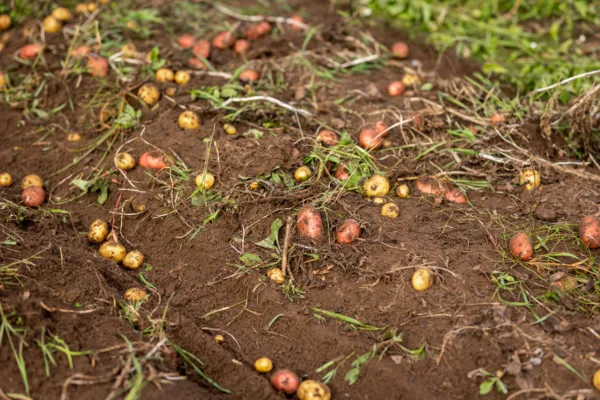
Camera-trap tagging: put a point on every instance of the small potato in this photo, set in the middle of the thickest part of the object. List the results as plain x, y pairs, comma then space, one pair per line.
30, 51
396, 88
124, 161
431, 186
219, 339
182, 77
223, 40
276, 275
520, 246
97, 66
31, 180
149, 94
196, 63
297, 22
229, 129
73, 137
381, 128
91, 7
376, 186
390, 210
113, 251
285, 381
529, 179
129, 50
403, 191
341, 173
302, 174
62, 14
422, 279
241, 47
596, 379
566, 284
328, 138
589, 231
5, 22
249, 76
313, 390
170, 91
5, 179
205, 180
454, 195
348, 232
369, 139
51, 24
309, 223
410, 80
98, 231
164, 75
263, 365
149, 160
378, 200
201, 49
186, 41
139, 204
188, 120
33, 196
136, 295
81, 8
133, 260
400, 50
2, 80
81, 51
497, 119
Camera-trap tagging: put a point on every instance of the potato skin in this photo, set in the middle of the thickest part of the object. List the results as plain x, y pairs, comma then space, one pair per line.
589, 231
148, 160
390, 210
113, 251
98, 231
31, 180
223, 40
309, 223
201, 49
454, 195
348, 232
276, 275
97, 66
149, 94
136, 295
33, 196
285, 381
263, 365
376, 186
520, 246
188, 120
328, 138
431, 186
133, 260
249, 76
313, 390
422, 279
369, 139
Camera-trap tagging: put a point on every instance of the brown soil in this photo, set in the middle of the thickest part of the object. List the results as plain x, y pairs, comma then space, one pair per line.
461, 322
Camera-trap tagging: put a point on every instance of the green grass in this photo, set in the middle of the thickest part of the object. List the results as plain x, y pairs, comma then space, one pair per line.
531, 46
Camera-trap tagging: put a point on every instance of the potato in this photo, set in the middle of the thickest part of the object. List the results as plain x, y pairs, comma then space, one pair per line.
5, 22
219, 339
348, 232
589, 231
263, 365
196, 63
313, 390
73, 137
33, 196
201, 49
62, 14
81, 51
276, 275
241, 46
97, 66
136, 295
113, 251
51, 24
2, 80
205, 180
454, 195
124, 161
149, 160
164, 75
409, 80
5, 179
299, 20
223, 40
566, 285
377, 186
309, 223
497, 119
149, 94
396, 88
369, 139
390, 210
400, 50
529, 179
170, 91
596, 379
30, 51
520, 246
81, 8
422, 279
133, 260
381, 128
378, 200
328, 138
285, 381
182, 77
31, 180
91, 7
98, 231
139, 204
129, 50
249, 76
302, 174
403, 191
229, 129
431, 186
188, 120
341, 173
186, 41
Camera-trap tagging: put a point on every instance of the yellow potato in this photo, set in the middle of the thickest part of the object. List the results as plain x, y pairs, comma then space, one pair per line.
128, 50
73, 137
124, 161
378, 200
91, 7
113, 251
62, 14
263, 365
51, 24
171, 91
188, 120
205, 180
377, 186
139, 204
422, 279
165, 75
403, 191
182, 77
81, 8
31, 180
411, 80
596, 380
133, 260
276, 275
98, 231
149, 94
5, 179
135, 295
219, 339
229, 129
530, 178
390, 210
5, 22
313, 390
302, 174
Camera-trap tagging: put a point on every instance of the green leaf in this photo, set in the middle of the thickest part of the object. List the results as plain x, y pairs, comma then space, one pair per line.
491, 68
270, 241
250, 259
427, 86
352, 376
349, 320
81, 184
486, 387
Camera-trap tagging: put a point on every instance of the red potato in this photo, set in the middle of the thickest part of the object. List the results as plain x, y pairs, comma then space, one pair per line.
299, 20
497, 118
342, 172
186, 41
400, 50
396, 88
241, 46
149, 160
81, 51
285, 381
97, 66
257, 30
418, 120
454, 195
381, 128
520, 246
328, 138
249, 76
431, 186
589, 231
33, 196
309, 223
263, 27
30, 51
196, 63
369, 139
348, 232
223, 40
201, 49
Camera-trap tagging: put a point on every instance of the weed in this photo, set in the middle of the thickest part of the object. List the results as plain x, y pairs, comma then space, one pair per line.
14, 335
